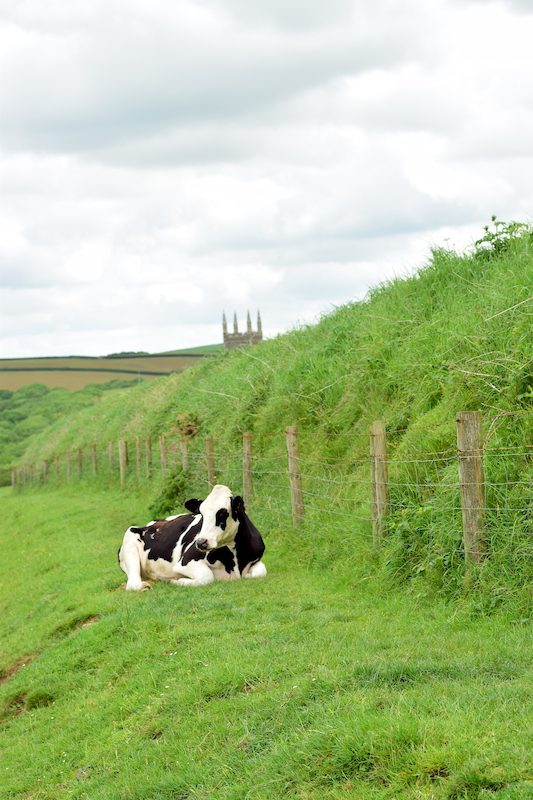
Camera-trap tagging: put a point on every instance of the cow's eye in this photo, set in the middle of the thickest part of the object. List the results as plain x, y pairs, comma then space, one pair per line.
221, 518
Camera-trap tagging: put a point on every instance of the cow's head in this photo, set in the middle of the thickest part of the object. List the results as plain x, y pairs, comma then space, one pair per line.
221, 512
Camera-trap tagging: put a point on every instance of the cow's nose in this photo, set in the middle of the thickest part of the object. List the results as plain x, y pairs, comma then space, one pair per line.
202, 544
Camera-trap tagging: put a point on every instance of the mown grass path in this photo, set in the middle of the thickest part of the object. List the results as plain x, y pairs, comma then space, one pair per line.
310, 684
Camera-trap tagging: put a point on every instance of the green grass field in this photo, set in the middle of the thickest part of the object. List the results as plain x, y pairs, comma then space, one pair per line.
315, 683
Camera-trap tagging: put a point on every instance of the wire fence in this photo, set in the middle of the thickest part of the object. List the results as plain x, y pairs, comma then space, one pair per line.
470, 491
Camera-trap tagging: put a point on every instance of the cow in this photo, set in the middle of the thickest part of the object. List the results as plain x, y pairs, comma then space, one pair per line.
215, 541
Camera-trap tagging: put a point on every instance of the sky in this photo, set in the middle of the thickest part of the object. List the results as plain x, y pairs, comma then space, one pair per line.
162, 161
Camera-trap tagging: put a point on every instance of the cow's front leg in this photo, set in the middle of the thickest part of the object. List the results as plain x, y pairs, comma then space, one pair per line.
196, 573
130, 563
255, 571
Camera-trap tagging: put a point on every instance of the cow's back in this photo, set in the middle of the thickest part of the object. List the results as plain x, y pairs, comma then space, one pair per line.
162, 543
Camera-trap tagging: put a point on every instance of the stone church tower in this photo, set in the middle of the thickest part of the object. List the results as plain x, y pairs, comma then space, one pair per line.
237, 339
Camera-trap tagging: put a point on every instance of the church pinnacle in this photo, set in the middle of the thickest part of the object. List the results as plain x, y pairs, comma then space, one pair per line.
238, 339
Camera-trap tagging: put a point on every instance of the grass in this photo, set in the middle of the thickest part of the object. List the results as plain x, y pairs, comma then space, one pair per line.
315, 683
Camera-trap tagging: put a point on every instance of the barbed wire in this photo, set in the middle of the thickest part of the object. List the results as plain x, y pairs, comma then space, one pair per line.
200, 459
393, 459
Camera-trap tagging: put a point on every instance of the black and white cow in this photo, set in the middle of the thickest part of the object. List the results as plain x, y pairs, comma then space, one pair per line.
216, 541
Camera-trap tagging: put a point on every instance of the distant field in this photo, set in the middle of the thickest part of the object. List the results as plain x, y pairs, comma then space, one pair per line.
75, 372
206, 348
63, 379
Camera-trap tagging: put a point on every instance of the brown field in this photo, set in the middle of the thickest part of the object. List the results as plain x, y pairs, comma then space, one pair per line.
77, 372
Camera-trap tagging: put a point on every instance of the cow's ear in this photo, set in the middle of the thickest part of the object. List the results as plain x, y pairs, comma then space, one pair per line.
193, 505
237, 507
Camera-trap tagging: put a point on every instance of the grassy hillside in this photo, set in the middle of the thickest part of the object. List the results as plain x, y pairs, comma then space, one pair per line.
456, 336
310, 685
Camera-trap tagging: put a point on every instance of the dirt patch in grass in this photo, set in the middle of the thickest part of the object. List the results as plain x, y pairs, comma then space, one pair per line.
8, 672
25, 701
14, 707
438, 772
89, 621
72, 625
225, 690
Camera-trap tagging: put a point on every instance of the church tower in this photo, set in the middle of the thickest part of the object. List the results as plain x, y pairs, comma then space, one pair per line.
238, 339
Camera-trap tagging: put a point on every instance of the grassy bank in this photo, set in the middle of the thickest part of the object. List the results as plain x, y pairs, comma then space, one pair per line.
310, 684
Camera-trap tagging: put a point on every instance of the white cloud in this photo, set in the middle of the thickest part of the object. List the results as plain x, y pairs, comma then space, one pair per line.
119, 76
520, 5
160, 162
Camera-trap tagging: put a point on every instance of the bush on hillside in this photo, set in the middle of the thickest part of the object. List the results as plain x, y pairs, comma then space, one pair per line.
187, 424
171, 495
496, 242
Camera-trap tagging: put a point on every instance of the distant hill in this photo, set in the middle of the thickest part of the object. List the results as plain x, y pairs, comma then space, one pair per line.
76, 372
207, 349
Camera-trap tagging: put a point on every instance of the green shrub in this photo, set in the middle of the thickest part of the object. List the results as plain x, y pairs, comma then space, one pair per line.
171, 494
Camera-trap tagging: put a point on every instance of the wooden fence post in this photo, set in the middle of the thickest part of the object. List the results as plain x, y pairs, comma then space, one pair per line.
68, 466
80, 462
163, 452
470, 450
13, 478
94, 459
247, 485
380, 478
295, 476
210, 452
122, 460
184, 450
138, 458
148, 449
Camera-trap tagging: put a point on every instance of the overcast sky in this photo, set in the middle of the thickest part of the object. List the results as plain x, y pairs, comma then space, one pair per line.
163, 160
